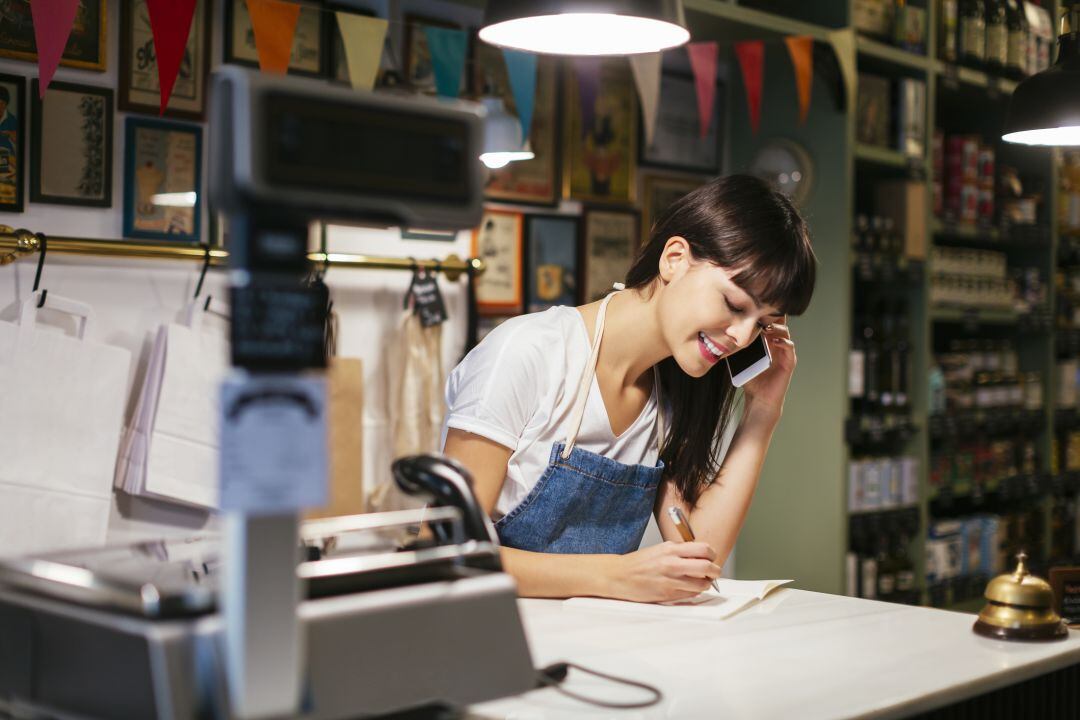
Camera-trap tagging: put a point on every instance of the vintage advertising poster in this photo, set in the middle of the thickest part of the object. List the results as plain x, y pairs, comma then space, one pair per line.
12, 138
611, 240
308, 53
552, 249
498, 243
85, 47
161, 180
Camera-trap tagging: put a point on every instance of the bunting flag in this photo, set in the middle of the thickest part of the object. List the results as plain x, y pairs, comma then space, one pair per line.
53, 20
588, 82
521, 68
447, 58
703, 60
170, 23
843, 44
363, 38
751, 56
801, 50
274, 25
646, 67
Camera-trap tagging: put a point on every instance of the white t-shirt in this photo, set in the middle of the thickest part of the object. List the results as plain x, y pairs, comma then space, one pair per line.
517, 388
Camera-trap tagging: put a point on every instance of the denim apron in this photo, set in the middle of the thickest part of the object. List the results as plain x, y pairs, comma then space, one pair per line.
585, 502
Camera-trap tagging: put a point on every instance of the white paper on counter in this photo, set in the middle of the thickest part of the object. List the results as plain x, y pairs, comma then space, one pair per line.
733, 596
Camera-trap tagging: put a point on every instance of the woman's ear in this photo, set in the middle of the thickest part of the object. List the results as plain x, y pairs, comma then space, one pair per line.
674, 258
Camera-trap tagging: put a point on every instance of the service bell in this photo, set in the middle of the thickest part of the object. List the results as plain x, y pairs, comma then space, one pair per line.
1020, 606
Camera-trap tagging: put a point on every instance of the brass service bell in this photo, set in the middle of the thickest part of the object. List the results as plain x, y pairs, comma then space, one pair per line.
1020, 606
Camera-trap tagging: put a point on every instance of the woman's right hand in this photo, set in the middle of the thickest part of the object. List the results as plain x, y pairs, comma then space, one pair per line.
664, 572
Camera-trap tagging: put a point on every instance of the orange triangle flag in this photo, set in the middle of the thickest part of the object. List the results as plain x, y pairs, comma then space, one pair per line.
274, 24
801, 50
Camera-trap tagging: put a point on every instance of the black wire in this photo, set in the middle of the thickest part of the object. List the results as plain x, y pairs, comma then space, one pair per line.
553, 675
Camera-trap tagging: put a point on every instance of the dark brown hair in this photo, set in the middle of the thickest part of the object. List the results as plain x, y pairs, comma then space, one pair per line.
740, 223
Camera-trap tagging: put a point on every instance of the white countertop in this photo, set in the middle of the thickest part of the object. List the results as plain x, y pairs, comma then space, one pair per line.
796, 654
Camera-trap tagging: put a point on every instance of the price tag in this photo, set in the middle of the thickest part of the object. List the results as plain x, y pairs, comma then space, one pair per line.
273, 443
428, 301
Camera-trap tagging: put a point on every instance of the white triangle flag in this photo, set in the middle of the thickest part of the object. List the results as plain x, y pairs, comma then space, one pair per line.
647, 76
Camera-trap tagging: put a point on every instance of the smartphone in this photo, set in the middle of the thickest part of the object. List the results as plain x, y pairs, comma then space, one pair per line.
749, 362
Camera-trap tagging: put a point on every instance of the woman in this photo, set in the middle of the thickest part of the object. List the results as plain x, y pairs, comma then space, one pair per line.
577, 423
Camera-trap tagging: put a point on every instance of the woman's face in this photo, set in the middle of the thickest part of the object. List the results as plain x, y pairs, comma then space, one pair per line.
704, 315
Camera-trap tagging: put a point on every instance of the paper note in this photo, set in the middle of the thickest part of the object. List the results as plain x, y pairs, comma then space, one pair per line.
733, 596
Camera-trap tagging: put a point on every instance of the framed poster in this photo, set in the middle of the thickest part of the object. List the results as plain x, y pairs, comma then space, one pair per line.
677, 142
609, 242
139, 91
419, 70
85, 47
162, 188
533, 181
309, 45
552, 254
659, 193
498, 242
599, 162
12, 140
71, 145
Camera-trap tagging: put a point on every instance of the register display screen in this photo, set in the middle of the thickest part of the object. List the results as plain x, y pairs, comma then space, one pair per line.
322, 145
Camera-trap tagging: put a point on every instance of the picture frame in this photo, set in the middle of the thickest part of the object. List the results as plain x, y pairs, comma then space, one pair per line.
677, 143
600, 163
530, 182
659, 192
162, 168
71, 145
418, 69
1065, 583
498, 242
12, 142
139, 90
337, 66
552, 256
608, 247
86, 47
309, 53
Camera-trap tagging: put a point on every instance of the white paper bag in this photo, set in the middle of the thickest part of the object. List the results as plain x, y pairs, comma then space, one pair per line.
60, 422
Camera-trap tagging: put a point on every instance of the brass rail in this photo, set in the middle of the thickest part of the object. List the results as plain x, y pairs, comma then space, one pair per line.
16, 243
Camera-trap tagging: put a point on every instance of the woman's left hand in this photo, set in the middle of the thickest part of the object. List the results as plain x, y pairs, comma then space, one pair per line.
768, 389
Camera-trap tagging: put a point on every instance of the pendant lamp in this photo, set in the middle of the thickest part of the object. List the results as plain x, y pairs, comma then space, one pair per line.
585, 27
502, 136
1045, 108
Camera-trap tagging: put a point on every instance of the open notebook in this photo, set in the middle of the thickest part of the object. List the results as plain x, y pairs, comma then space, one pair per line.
733, 596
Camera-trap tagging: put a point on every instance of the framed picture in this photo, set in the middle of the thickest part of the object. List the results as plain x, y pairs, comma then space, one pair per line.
552, 251
419, 70
71, 145
162, 180
139, 90
677, 142
659, 193
309, 55
609, 242
338, 65
498, 242
533, 181
12, 140
85, 47
600, 162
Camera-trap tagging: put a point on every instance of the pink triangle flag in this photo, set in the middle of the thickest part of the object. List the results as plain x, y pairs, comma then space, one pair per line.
52, 26
170, 22
703, 59
751, 55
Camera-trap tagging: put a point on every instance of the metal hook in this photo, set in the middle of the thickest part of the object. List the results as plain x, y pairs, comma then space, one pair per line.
438, 265
43, 248
202, 273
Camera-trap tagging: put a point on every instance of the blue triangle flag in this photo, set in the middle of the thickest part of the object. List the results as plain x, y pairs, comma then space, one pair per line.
521, 67
447, 49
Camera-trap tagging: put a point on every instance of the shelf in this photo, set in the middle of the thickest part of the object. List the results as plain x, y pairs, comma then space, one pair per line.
990, 236
986, 423
891, 159
1006, 490
952, 75
976, 316
759, 20
891, 54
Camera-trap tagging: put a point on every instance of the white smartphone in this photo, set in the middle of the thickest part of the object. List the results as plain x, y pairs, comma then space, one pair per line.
749, 362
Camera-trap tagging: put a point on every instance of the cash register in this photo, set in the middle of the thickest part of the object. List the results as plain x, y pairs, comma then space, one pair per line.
360, 616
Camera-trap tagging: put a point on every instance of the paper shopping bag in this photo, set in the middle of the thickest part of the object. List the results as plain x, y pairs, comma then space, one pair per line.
345, 429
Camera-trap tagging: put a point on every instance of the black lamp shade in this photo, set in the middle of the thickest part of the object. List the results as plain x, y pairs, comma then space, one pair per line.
1049, 99
664, 10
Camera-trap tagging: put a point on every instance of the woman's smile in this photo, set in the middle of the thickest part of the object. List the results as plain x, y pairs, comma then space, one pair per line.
710, 350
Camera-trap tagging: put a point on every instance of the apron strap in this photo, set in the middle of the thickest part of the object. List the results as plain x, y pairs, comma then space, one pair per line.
586, 384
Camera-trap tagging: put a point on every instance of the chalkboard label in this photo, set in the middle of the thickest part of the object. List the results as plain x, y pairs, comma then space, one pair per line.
1065, 582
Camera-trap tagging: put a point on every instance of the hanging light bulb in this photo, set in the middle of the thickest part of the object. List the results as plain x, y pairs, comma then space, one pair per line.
1045, 108
502, 136
585, 27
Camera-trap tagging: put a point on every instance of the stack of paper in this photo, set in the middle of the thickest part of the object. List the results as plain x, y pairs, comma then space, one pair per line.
733, 596
170, 450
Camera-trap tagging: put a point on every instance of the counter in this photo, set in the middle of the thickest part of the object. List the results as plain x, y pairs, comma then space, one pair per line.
797, 654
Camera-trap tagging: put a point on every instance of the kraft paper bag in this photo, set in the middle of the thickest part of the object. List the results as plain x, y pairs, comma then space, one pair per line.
60, 423
345, 430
